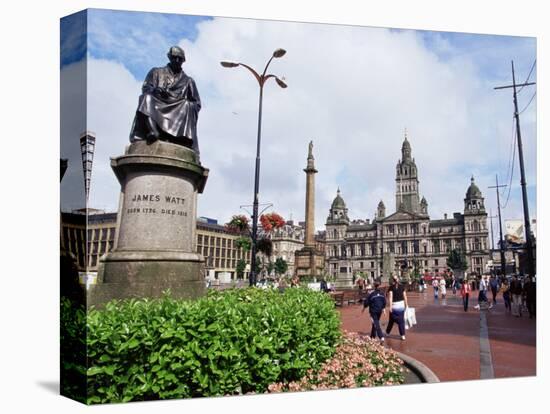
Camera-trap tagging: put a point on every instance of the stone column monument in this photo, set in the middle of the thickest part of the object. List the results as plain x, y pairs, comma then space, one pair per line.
160, 175
309, 261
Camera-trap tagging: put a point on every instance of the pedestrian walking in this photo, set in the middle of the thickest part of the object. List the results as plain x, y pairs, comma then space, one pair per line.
376, 302
495, 286
360, 283
454, 284
443, 288
435, 285
465, 293
482, 299
516, 290
397, 298
507, 296
422, 284
530, 292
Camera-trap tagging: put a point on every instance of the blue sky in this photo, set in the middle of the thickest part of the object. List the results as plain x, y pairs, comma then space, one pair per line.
125, 37
437, 85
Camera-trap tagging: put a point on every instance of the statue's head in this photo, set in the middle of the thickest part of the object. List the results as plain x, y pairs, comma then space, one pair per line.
176, 55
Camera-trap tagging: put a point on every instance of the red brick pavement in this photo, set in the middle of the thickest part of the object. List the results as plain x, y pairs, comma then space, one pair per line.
447, 339
513, 343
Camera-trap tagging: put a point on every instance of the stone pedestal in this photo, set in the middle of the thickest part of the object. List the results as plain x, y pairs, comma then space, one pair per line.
155, 247
309, 262
344, 281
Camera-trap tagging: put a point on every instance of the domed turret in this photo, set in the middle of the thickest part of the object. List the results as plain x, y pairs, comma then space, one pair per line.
473, 190
474, 202
338, 201
338, 211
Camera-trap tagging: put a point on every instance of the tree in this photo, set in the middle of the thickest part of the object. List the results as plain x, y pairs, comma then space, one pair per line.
457, 261
240, 268
281, 266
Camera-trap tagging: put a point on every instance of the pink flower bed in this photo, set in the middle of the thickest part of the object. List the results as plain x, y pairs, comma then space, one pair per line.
357, 362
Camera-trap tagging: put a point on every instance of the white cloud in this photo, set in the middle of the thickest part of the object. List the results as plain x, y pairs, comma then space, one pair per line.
352, 90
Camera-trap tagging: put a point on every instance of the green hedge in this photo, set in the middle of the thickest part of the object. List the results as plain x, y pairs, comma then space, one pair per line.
73, 349
230, 342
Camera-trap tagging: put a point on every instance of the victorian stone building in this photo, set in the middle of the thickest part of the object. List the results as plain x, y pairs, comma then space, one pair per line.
406, 241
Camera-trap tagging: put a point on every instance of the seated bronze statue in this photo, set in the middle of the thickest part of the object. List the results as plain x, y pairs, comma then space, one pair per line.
169, 105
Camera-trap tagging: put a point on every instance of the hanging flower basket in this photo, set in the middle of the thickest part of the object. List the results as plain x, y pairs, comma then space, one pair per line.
271, 221
238, 224
265, 246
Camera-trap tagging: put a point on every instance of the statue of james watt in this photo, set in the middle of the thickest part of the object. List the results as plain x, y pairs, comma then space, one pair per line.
169, 105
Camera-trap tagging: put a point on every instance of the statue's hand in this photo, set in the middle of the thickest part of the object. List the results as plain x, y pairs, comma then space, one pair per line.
161, 92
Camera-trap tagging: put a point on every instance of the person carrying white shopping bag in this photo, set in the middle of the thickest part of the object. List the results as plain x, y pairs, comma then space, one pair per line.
410, 318
397, 298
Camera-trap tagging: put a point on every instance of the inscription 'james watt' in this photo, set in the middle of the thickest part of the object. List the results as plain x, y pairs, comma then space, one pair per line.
157, 197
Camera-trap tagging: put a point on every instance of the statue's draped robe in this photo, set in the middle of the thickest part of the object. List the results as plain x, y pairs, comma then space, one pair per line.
176, 115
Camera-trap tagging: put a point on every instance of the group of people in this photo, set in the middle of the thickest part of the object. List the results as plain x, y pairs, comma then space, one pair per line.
396, 302
517, 294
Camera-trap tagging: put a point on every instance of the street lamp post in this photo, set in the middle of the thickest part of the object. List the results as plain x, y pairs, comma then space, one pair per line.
261, 82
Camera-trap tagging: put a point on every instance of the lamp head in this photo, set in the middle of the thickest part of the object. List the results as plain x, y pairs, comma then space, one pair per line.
227, 64
280, 83
279, 53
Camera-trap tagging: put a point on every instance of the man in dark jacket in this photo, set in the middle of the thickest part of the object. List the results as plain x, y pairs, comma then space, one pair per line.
376, 302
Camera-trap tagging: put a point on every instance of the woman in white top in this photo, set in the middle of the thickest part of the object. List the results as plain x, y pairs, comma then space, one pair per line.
435, 285
443, 288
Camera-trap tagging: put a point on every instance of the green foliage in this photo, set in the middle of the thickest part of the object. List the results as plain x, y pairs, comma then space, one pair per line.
240, 268
230, 342
244, 243
280, 266
456, 260
259, 264
73, 349
265, 246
